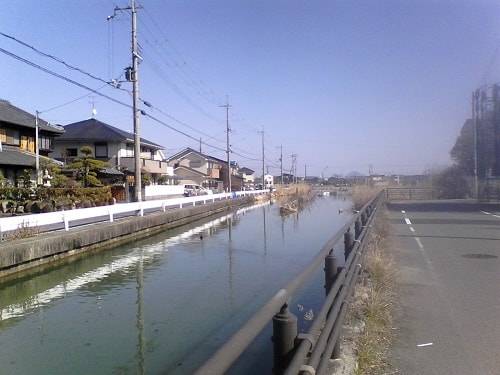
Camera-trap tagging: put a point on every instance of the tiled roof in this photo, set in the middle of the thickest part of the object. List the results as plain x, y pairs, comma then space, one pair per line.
95, 130
189, 150
14, 156
246, 170
14, 115
191, 170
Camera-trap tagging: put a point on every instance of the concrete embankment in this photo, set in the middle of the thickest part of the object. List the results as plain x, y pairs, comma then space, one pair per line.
26, 254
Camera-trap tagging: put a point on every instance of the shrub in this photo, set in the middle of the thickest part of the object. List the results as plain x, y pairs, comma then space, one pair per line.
452, 184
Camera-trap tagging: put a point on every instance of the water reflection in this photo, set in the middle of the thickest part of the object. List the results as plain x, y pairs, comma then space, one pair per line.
121, 266
164, 303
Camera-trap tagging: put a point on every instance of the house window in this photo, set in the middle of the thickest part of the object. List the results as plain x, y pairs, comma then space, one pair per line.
129, 151
12, 137
45, 143
101, 150
71, 153
3, 135
195, 163
27, 143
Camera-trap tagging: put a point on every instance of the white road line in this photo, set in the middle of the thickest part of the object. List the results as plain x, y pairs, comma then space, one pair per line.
420, 247
489, 213
428, 344
419, 243
422, 250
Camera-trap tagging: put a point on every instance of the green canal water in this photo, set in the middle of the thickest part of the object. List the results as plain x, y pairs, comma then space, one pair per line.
163, 304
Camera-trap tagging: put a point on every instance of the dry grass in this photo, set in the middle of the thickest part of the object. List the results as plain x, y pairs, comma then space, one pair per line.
362, 195
292, 190
300, 193
23, 231
375, 303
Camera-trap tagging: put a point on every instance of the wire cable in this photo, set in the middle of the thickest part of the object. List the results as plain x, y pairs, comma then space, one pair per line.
63, 78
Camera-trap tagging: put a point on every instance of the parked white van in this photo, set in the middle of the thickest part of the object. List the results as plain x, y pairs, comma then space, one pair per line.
191, 190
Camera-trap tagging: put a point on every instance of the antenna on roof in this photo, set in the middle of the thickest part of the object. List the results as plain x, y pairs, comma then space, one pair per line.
94, 111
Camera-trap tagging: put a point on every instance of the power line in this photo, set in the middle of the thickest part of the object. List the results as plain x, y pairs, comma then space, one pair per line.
54, 58
114, 85
179, 121
206, 91
97, 93
179, 131
183, 70
62, 77
70, 102
77, 83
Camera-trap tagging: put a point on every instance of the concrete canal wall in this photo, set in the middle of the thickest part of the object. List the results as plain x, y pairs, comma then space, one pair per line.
26, 254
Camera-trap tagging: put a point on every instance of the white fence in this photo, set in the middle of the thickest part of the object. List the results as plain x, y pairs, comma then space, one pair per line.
161, 191
108, 213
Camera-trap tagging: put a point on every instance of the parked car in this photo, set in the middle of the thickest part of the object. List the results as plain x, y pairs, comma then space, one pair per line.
192, 190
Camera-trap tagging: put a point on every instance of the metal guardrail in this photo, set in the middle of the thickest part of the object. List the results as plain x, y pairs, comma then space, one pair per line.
306, 353
410, 193
105, 213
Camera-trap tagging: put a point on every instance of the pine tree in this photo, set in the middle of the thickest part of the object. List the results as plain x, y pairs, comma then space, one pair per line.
88, 167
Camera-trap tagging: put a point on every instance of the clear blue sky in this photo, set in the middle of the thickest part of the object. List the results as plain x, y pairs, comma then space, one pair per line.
341, 84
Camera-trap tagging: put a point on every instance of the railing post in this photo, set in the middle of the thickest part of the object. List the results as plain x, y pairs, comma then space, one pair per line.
66, 223
348, 242
358, 226
330, 271
284, 335
336, 349
364, 218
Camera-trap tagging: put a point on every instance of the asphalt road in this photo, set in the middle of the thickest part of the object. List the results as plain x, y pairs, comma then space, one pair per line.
448, 255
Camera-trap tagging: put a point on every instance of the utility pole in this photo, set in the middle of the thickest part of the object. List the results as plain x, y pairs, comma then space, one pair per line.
263, 179
281, 163
135, 93
37, 151
475, 100
131, 75
293, 170
295, 173
228, 150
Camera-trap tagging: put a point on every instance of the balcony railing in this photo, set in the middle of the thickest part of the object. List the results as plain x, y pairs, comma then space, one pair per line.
147, 165
213, 172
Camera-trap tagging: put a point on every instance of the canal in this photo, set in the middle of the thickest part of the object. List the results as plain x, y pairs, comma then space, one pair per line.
163, 304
